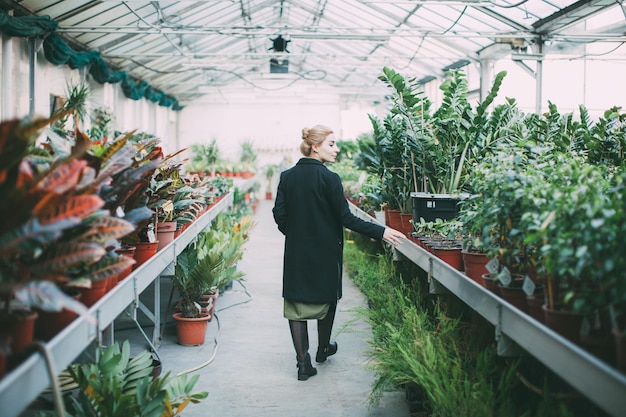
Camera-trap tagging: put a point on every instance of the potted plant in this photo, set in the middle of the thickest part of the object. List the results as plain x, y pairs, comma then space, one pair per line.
162, 193
248, 159
204, 158
270, 171
61, 233
438, 150
118, 385
195, 273
580, 233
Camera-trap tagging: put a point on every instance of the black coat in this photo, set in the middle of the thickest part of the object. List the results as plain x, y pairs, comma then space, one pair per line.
311, 211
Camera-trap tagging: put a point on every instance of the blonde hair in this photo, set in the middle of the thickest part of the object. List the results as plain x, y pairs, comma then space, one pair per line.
313, 136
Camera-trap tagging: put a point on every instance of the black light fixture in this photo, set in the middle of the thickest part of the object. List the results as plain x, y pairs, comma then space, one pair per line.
279, 66
279, 44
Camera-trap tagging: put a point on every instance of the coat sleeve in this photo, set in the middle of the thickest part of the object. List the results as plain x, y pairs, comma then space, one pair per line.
348, 219
280, 207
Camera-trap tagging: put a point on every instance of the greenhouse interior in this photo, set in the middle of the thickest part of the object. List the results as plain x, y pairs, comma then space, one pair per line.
149, 152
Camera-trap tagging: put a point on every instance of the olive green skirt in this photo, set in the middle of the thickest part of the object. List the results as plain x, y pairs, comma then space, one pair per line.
294, 310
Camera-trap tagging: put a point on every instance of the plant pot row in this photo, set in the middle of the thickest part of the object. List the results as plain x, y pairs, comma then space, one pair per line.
608, 345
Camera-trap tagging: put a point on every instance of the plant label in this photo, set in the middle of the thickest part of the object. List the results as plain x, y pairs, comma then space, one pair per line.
505, 276
493, 266
151, 236
528, 286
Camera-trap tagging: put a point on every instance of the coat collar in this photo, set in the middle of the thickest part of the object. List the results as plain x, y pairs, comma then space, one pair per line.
306, 160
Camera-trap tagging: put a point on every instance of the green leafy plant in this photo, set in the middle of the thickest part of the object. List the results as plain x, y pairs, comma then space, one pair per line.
120, 386
204, 157
436, 151
195, 273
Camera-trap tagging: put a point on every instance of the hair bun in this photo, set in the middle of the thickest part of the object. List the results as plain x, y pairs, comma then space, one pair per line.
305, 133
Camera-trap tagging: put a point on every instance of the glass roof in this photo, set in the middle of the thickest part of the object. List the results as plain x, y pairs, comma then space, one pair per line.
189, 48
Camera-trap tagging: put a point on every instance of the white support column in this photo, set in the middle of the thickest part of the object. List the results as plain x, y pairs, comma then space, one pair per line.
32, 73
539, 78
486, 77
7, 72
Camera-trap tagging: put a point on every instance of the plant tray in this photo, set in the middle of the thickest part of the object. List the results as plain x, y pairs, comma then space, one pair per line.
435, 206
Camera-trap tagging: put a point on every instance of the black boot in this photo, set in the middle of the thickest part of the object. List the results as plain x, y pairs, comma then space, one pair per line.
300, 337
325, 347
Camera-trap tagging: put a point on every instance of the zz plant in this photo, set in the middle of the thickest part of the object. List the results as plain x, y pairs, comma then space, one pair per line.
120, 386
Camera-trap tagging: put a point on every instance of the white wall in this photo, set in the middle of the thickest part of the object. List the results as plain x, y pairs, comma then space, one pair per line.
141, 115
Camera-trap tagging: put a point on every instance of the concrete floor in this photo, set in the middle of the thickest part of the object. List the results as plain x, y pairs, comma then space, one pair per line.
251, 369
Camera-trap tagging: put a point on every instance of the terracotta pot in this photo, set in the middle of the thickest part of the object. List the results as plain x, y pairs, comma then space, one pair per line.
474, 265
157, 368
406, 226
450, 255
191, 331
213, 297
111, 283
50, 323
3, 363
19, 326
514, 294
413, 238
165, 234
566, 323
490, 284
143, 252
89, 296
393, 219
620, 349
534, 304
129, 252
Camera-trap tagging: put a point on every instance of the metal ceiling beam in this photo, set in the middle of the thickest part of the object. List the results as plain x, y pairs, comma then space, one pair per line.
489, 11
350, 34
571, 15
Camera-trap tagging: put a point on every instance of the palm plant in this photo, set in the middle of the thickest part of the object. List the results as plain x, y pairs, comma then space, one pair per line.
195, 274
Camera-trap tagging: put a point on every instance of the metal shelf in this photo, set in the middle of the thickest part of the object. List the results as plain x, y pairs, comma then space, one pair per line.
20, 387
599, 382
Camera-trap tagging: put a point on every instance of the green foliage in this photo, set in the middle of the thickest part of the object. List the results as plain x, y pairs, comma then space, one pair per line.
210, 262
435, 152
121, 386
439, 347
347, 150
204, 157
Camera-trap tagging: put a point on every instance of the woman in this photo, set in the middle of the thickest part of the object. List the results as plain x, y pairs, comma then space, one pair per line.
311, 211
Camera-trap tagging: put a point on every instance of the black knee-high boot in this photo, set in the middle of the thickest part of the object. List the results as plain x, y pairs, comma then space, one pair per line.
325, 347
300, 337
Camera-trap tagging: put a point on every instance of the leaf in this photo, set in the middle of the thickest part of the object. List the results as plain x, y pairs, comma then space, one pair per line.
66, 255
23, 239
63, 177
119, 162
78, 206
106, 229
107, 267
